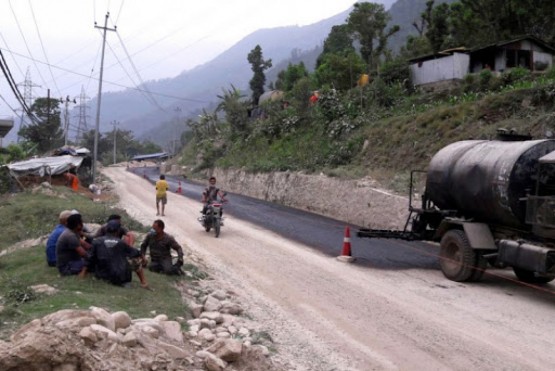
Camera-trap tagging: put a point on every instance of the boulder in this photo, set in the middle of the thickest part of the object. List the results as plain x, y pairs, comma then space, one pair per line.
227, 349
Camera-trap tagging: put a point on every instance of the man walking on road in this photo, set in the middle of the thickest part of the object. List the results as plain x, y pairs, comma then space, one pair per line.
162, 188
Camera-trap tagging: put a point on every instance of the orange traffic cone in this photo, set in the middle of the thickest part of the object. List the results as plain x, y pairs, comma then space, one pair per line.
346, 252
179, 187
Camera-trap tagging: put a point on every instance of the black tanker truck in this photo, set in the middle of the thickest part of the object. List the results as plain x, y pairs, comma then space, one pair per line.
487, 202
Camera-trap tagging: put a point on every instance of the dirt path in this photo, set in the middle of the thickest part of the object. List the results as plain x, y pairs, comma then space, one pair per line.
326, 315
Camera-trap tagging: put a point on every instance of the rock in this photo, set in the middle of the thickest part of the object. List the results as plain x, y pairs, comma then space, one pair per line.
130, 339
172, 330
207, 323
150, 331
26, 330
88, 336
161, 317
231, 308
202, 354
121, 320
103, 318
75, 323
219, 294
213, 363
65, 314
206, 334
223, 334
243, 331
232, 330
172, 350
196, 310
212, 304
43, 289
229, 349
262, 349
214, 316
104, 333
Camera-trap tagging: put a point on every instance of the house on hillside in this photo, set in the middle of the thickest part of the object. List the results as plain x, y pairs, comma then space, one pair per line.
453, 64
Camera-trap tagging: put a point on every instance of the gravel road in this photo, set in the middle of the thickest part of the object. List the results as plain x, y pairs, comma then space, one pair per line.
327, 315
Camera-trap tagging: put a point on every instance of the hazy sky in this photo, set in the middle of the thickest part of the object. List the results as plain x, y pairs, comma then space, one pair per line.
57, 42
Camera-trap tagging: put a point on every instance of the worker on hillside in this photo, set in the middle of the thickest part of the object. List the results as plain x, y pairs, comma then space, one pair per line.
72, 181
160, 245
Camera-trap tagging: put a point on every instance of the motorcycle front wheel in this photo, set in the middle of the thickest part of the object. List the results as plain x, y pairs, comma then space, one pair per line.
217, 227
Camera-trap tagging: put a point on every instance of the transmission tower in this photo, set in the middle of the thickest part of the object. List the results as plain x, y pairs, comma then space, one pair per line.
82, 123
27, 97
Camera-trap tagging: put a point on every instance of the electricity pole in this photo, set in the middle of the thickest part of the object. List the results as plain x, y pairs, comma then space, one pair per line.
115, 123
95, 152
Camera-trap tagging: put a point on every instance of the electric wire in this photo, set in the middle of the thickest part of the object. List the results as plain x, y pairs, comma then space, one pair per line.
14, 60
25, 42
43, 50
13, 86
138, 74
110, 82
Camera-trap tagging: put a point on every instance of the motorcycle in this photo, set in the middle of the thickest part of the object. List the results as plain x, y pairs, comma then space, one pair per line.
212, 219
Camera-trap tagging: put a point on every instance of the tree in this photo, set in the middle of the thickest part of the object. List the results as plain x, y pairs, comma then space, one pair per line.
339, 72
367, 23
286, 79
235, 111
438, 27
45, 131
258, 66
339, 41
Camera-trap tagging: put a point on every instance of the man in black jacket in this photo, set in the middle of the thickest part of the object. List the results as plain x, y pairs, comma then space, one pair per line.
112, 259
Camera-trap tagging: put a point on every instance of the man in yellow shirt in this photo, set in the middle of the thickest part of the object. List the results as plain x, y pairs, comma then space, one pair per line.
162, 188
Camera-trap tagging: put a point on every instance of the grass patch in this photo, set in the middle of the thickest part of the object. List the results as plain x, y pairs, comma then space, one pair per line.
30, 215
25, 268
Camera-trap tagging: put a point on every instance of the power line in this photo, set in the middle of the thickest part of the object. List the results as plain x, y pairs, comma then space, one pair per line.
138, 74
108, 82
42, 47
13, 86
14, 60
25, 41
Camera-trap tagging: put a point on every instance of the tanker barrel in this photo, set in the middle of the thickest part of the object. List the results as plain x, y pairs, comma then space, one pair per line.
485, 180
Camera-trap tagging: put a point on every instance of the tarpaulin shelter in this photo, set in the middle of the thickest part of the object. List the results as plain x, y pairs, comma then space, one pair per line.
43, 166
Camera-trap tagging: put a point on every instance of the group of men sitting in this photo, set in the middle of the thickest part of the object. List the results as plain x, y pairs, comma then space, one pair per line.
109, 253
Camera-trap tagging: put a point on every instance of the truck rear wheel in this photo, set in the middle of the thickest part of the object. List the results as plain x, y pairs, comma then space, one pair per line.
458, 261
532, 277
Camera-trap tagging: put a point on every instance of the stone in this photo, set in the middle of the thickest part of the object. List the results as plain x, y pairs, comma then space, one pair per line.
172, 330
43, 289
150, 331
104, 333
103, 318
161, 317
214, 316
207, 323
202, 354
227, 349
196, 310
174, 351
130, 339
26, 330
232, 329
223, 335
219, 294
262, 349
88, 336
232, 308
243, 331
121, 320
78, 322
212, 304
213, 363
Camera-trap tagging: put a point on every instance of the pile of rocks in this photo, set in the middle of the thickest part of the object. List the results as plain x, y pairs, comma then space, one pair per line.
98, 340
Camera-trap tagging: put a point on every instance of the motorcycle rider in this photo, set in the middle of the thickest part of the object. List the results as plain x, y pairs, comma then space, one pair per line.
211, 194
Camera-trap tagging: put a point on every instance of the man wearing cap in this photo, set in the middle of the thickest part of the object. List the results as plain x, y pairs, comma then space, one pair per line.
123, 233
109, 256
53, 238
160, 244
70, 248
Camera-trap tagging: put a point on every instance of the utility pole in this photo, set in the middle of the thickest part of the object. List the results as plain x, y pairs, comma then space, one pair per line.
95, 152
115, 123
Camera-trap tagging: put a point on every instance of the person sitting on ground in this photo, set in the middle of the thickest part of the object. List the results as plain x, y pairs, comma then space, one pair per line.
123, 233
112, 259
160, 244
53, 238
70, 248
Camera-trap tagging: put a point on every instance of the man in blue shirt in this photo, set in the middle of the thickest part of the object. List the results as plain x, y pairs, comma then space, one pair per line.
53, 238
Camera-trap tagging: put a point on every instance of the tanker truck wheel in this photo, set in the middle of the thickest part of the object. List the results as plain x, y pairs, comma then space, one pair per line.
458, 260
532, 277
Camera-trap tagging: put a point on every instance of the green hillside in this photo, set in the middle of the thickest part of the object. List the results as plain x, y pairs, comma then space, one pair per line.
377, 130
